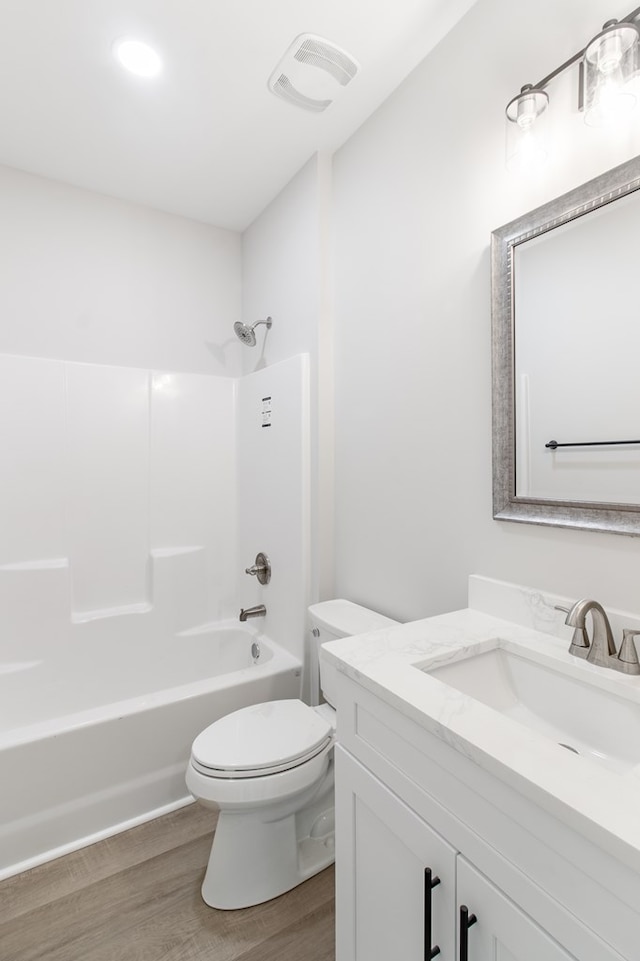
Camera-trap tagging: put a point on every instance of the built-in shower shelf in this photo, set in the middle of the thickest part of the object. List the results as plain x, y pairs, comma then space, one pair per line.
45, 564
175, 551
82, 617
14, 667
205, 628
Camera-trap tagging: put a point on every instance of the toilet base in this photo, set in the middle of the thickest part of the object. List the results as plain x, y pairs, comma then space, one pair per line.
254, 859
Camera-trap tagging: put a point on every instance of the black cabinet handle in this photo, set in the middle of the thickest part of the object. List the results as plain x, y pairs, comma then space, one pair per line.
429, 883
466, 920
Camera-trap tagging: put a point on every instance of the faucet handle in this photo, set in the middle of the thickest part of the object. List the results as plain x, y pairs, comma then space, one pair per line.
261, 569
580, 642
627, 656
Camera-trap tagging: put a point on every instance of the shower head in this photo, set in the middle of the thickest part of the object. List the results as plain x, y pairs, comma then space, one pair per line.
246, 332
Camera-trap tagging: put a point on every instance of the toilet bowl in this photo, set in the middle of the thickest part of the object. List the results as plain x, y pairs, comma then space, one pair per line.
268, 770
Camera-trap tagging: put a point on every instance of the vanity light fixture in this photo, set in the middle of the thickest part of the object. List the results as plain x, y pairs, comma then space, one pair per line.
137, 57
610, 67
609, 74
526, 146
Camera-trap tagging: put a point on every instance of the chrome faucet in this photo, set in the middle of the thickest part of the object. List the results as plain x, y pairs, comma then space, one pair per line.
580, 643
601, 649
602, 646
258, 611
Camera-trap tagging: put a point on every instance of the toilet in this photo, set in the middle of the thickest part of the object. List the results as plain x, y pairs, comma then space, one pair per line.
268, 769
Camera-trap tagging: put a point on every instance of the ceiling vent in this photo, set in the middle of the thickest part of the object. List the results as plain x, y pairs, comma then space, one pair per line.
312, 73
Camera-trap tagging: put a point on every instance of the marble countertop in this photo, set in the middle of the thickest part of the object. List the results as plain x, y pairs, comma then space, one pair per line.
601, 804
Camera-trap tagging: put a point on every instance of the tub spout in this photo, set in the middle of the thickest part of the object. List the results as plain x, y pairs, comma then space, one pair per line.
258, 611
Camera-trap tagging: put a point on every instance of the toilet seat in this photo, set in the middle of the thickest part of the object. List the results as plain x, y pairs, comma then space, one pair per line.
261, 740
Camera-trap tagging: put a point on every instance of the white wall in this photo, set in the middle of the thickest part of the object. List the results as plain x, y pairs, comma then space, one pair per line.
280, 267
89, 278
418, 190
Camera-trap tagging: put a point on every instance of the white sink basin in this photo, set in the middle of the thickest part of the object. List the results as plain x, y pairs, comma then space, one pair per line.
544, 695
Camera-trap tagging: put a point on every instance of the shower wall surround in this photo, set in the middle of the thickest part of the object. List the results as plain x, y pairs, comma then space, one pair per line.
273, 492
118, 487
119, 475
119, 501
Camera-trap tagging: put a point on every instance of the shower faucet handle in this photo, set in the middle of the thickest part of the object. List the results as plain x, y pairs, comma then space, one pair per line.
261, 569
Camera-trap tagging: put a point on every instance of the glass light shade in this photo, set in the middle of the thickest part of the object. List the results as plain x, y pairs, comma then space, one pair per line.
610, 70
526, 147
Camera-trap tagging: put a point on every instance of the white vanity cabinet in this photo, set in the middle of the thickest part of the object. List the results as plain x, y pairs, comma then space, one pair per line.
402, 891
407, 803
389, 859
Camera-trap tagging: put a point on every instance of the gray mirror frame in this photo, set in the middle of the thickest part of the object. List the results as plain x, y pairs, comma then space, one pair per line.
613, 518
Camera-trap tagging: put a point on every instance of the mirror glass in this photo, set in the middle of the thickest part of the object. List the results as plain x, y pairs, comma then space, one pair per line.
577, 356
566, 344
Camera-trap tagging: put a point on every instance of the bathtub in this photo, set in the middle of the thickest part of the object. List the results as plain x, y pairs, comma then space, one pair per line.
97, 742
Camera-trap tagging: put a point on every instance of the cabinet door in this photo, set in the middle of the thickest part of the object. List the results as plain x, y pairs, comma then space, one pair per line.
501, 931
383, 894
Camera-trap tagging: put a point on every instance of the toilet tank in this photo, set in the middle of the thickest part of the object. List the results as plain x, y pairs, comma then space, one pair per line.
331, 620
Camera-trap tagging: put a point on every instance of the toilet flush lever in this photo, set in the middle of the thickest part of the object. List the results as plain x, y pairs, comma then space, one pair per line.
261, 569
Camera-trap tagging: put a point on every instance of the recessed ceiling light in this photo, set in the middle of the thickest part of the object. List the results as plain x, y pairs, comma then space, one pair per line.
137, 57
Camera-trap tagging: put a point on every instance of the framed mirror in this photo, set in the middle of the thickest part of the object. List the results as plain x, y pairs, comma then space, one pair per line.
566, 359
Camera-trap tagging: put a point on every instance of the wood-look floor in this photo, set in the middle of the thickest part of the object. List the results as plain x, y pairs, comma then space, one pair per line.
136, 897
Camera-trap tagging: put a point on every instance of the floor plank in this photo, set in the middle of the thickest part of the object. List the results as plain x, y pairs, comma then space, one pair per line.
309, 939
37, 887
137, 897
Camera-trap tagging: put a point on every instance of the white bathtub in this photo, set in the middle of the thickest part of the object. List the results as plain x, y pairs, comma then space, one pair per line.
95, 743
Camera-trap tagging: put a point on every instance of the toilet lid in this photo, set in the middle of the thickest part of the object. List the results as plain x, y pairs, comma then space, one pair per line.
261, 739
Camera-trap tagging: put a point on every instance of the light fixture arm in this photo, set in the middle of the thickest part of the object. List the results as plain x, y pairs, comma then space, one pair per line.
608, 63
629, 18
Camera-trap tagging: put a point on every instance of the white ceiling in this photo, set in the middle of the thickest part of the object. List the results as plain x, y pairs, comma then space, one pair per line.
207, 140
